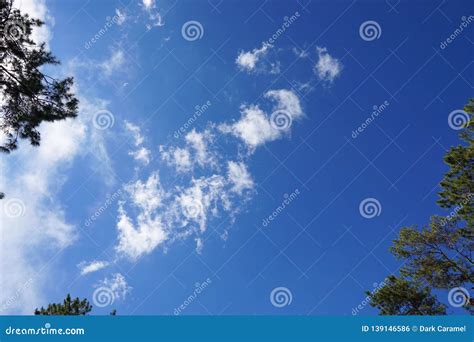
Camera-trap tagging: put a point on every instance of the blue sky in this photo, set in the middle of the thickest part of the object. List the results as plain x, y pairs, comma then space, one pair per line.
199, 120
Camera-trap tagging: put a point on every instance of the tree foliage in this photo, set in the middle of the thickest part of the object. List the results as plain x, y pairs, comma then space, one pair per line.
402, 297
69, 307
439, 256
28, 97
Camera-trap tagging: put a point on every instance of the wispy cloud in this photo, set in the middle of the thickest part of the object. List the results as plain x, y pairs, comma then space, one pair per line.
91, 267
249, 60
327, 67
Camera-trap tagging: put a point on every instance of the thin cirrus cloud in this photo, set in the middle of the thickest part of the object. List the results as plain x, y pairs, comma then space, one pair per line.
92, 266
140, 153
154, 214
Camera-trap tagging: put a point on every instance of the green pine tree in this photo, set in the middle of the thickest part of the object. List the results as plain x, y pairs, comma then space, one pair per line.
439, 256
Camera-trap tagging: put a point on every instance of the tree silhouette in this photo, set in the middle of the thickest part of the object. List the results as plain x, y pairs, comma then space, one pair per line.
69, 307
28, 97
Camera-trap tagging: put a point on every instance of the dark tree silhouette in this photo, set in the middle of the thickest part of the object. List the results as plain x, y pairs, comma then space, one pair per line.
28, 97
69, 307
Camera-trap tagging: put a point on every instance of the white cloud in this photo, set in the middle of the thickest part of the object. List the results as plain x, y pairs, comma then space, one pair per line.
148, 4
121, 16
149, 231
140, 154
180, 158
154, 16
118, 285
300, 52
327, 67
247, 60
114, 63
256, 127
92, 266
239, 176
196, 152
